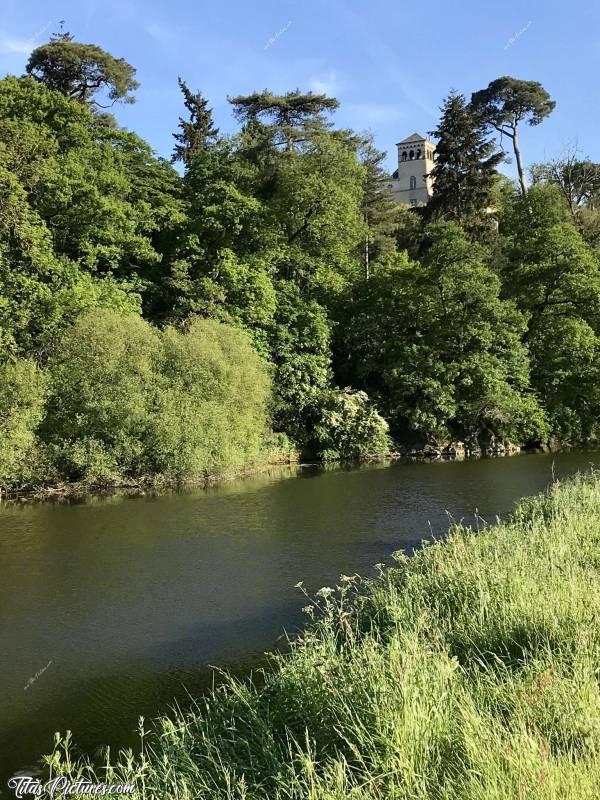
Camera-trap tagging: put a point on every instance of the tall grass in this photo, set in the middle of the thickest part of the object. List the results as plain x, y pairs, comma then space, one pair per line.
469, 672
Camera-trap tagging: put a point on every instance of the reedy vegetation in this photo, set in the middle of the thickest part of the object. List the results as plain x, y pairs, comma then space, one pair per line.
367, 316
469, 671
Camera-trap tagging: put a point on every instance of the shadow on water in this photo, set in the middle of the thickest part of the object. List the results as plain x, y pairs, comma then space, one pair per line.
144, 692
132, 599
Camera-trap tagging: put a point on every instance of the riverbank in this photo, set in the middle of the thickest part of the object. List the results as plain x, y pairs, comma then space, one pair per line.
72, 490
75, 490
468, 671
273, 458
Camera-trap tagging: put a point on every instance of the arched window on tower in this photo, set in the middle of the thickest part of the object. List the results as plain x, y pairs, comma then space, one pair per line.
411, 155
413, 182
404, 155
418, 154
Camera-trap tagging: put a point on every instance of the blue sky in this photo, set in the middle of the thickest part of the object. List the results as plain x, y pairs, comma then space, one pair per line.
389, 63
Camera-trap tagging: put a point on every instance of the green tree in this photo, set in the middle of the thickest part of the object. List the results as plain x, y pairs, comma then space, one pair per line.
128, 402
300, 347
465, 167
212, 404
103, 384
439, 350
577, 178
554, 277
410, 231
82, 71
286, 116
349, 427
217, 262
315, 209
547, 265
307, 185
506, 103
40, 291
565, 356
88, 212
380, 212
22, 405
196, 133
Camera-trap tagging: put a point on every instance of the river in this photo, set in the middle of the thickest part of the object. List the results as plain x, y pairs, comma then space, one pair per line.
113, 608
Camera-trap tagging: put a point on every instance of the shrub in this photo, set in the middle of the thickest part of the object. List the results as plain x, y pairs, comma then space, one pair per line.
278, 448
129, 401
211, 402
103, 383
22, 400
350, 427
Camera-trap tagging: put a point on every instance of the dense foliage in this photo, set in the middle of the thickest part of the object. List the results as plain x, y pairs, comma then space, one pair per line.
439, 348
475, 319
22, 399
82, 70
127, 400
465, 167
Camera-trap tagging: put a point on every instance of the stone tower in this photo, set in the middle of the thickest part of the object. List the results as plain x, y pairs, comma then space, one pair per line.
411, 183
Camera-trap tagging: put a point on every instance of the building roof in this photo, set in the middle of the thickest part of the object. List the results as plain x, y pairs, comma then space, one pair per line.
416, 137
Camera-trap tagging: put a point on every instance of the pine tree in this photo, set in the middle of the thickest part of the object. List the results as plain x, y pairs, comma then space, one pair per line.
197, 133
82, 71
465, 167
505, 104
380, 211
286, 116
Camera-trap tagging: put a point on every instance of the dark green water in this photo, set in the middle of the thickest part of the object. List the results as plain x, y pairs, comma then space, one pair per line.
123, 604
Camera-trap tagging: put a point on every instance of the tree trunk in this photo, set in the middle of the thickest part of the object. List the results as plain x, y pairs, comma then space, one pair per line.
520, 169
366, 250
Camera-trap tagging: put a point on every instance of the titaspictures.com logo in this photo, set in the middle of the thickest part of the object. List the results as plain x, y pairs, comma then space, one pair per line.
24, 786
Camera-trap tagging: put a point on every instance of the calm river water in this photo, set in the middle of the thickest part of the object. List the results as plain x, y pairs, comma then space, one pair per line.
112, 609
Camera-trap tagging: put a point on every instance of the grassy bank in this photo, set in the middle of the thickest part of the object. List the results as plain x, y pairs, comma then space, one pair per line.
469, 672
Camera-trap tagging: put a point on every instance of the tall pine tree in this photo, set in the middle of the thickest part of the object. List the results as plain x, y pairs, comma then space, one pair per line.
380, 211
198, 132
508, 102
465, 167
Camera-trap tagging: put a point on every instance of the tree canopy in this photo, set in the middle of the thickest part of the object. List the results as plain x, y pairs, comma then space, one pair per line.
274, 281
286, 114
465, 166
82, 71
196, 133
508, 102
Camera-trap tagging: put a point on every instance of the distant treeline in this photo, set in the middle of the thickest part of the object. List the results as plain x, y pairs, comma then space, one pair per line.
165, 322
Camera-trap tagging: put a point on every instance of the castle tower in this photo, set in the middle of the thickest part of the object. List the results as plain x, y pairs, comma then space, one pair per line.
412, 183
